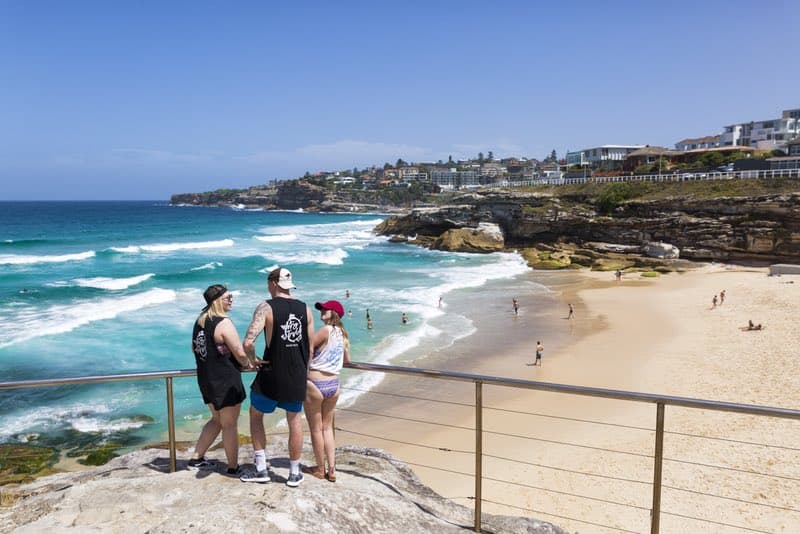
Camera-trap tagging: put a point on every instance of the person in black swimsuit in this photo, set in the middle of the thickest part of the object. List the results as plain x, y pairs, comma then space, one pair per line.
219, 356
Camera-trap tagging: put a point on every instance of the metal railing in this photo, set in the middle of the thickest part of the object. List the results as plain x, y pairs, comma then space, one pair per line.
660, 401
688, 175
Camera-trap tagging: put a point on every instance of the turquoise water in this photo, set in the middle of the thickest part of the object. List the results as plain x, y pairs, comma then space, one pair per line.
92, 288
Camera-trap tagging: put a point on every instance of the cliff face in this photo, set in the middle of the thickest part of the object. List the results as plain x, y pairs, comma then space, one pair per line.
741, 228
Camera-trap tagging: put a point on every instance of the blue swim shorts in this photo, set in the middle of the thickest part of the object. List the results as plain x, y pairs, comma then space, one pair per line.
266, 405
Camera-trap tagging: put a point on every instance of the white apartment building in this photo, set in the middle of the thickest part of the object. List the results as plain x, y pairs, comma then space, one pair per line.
709, 141
606, 156
412, 174
764, 135
453, 178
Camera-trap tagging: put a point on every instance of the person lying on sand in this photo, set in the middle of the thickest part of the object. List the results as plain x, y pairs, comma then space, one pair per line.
751, 326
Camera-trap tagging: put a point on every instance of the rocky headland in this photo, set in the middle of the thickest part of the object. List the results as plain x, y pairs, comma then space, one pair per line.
554, 232
136, 493
639, 226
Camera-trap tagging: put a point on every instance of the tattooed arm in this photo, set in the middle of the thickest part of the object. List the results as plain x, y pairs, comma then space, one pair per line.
261, 317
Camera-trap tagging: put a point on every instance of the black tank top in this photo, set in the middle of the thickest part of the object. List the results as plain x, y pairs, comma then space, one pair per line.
215, 370
284, 377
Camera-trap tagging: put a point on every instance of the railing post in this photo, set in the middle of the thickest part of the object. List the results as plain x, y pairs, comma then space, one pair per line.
655, 512
171, 426
478, 452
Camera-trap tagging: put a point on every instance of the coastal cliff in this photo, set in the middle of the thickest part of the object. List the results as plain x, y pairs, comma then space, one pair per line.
560, 231
373, 493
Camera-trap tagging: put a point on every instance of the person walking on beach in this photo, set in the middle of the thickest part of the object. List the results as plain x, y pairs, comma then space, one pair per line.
714, 302
539, 351
516, 306
618, 275
288, 328
722, 297
331, 351
571, 312
219, 356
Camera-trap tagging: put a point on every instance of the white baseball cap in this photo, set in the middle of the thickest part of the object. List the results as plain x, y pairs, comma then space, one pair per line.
283, 277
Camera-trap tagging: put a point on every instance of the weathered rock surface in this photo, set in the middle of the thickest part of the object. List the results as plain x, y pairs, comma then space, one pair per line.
135, 493
487, 237
764, 228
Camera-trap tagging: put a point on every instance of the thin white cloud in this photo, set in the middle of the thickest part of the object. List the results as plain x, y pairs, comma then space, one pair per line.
144, 155
344, 153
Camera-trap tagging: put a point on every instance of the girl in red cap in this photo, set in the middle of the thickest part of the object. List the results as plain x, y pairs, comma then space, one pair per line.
331, 351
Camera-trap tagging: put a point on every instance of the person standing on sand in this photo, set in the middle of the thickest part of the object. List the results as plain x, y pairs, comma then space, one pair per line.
571, 312
714, 302
219, 356
539, 351
516, 306
722, 297
618, 275
288, 328
331, 352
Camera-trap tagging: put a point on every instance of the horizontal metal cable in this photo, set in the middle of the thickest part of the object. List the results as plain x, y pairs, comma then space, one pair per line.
598, 499
716, 522
737, 441
522, 412
563, 469
436, 423
467, 404
470, 405
615, 529
498, 433
578, 420
736, 469
534, 464
641, 455
731, 498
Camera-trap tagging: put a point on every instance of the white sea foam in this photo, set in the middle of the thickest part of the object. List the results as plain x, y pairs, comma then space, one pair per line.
210, 265
327, 257
114, 284
82, 416
283, 238
59, 319
172, 247
15, 259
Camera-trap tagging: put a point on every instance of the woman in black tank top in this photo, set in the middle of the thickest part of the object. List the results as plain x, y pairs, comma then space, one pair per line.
219, 356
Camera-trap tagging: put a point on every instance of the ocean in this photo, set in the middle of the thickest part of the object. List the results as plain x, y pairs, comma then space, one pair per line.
94, 288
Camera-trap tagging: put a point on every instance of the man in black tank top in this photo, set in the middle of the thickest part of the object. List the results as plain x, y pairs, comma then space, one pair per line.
288, 328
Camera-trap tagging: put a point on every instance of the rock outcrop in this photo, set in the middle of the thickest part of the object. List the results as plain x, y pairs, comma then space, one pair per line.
135, 493
764, 228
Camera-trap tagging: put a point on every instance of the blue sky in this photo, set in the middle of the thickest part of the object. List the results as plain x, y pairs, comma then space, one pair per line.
139, 100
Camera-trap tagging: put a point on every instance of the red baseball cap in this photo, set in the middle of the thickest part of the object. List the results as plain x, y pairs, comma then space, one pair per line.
333, 305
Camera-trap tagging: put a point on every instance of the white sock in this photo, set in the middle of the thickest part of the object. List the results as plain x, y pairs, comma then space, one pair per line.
261, 460
294, 466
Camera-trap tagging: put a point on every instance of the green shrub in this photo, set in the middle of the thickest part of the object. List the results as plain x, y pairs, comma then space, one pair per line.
650, 274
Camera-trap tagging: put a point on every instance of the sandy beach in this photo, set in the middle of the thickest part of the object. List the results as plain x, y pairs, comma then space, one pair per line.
584, 463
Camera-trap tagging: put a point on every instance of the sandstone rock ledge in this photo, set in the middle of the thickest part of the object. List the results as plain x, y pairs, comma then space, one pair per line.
135, 493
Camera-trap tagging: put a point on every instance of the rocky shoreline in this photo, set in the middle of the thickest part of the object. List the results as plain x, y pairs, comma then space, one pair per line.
657, 235
564, 229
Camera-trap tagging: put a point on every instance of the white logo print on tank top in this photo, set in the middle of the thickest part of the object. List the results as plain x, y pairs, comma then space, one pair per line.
292, 329
200, 345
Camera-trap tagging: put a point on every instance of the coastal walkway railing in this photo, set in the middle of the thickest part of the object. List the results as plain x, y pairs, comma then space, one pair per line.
688, 175
660, 402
